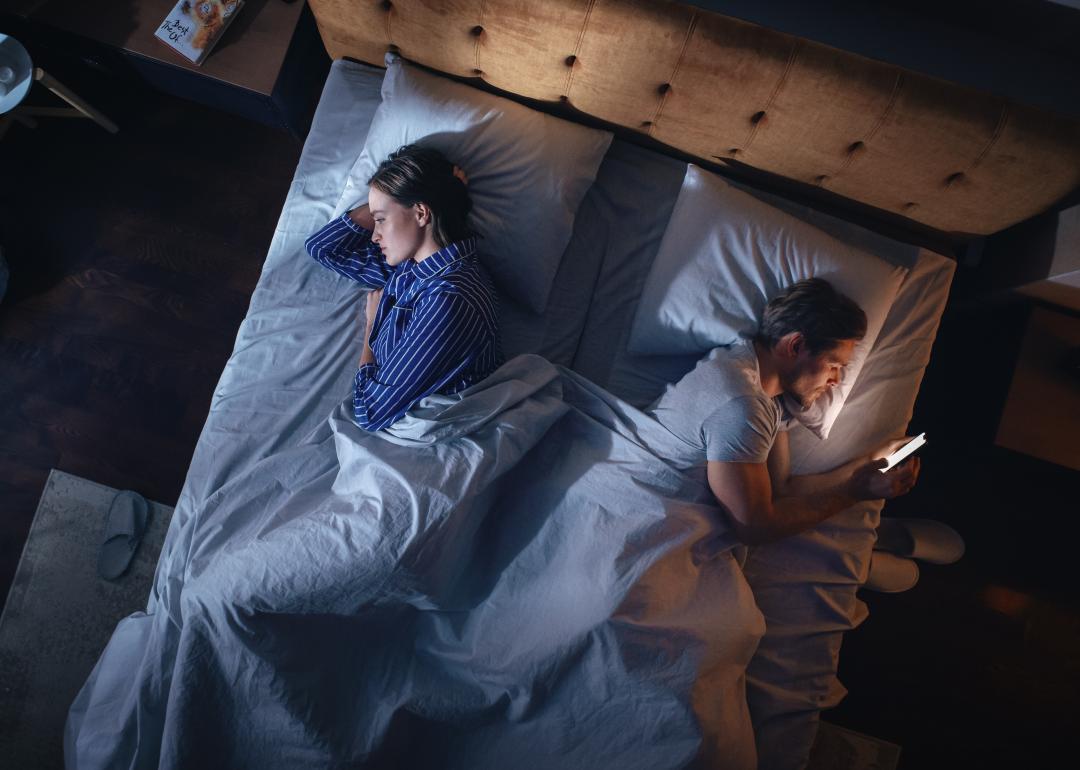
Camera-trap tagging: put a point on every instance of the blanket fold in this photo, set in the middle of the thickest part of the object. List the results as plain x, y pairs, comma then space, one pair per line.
510, 577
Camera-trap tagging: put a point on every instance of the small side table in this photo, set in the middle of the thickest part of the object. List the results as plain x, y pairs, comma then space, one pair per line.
268, 66
18, 73
1042, 411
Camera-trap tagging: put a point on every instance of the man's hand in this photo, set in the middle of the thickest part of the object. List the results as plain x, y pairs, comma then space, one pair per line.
869, 483
460, 174
891, 446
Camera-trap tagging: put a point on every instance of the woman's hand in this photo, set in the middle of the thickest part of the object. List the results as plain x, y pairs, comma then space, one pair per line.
361, 215
371, 307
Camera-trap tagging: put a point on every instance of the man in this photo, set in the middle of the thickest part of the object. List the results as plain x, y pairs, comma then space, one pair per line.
729, 410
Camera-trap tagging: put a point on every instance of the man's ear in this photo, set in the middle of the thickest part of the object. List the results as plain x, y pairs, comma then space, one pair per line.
422, 213
792, 344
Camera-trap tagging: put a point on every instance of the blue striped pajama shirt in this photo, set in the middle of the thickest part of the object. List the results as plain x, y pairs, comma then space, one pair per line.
435, 325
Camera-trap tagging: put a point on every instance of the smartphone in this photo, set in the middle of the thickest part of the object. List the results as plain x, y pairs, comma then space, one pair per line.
903, 452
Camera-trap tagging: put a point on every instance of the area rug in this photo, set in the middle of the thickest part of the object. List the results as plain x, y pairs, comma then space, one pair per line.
838, 748
59, 614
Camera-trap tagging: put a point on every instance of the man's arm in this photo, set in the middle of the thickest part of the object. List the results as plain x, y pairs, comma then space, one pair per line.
765, 503
786, 485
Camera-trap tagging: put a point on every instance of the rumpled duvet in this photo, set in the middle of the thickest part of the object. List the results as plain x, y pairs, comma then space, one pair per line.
515, 577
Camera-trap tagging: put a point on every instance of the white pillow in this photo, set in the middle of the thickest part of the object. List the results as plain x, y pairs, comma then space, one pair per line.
725, 254
527, 171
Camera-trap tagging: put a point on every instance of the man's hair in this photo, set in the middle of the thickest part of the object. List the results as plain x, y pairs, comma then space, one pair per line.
415, 174
813, 307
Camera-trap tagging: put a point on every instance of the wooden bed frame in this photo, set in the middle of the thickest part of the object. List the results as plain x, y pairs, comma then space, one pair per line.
914, 149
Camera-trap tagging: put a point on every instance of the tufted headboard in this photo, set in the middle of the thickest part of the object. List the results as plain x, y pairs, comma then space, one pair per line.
725, 91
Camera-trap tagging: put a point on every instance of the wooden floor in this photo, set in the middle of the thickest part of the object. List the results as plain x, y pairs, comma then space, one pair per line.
132, 261
133, 258
978, 666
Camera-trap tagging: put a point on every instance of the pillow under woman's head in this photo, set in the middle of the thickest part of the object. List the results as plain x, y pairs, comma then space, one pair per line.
725, 254
527, 171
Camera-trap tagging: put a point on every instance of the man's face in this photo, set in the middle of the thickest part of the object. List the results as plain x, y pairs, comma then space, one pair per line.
812, 375
397, 229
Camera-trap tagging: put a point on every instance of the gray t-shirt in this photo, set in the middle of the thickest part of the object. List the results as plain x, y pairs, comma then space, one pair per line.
720, 410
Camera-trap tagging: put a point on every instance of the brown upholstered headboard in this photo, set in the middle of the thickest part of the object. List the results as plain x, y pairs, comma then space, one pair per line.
720, 89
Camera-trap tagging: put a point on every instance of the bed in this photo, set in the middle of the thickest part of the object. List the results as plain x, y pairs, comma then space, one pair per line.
597, 612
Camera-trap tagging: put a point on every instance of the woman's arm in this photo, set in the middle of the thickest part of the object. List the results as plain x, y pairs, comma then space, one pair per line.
441, 341
344, 245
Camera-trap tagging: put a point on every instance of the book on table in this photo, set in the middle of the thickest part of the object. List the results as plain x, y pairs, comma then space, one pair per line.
194, 26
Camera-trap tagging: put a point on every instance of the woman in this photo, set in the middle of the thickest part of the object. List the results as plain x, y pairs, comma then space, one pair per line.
431, 319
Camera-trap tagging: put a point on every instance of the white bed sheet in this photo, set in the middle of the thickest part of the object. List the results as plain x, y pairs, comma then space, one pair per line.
300, 311
263, 404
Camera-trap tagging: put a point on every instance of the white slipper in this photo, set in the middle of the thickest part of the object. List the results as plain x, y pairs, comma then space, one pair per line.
923, 539
891, 574
124, 530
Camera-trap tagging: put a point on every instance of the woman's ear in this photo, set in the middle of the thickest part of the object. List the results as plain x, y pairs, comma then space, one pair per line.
422, 213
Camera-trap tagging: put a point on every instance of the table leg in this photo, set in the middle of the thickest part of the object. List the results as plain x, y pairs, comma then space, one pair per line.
64, 93
7, 121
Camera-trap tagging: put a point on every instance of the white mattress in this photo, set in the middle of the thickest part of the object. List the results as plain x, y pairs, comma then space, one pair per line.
294, 360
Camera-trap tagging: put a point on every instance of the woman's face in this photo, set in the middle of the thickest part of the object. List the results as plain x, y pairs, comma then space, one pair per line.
399, 230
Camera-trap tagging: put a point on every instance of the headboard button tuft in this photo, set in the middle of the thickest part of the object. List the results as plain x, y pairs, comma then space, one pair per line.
387, 5
954, 178
855, 147
477, 31
570, 60
664, 88
757, 117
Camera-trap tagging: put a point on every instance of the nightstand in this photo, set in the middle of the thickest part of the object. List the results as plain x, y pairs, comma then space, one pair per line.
268, 66
1042, 414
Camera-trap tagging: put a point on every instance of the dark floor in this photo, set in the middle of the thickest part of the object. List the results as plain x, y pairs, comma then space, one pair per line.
979, 665
132, 261
133, 258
